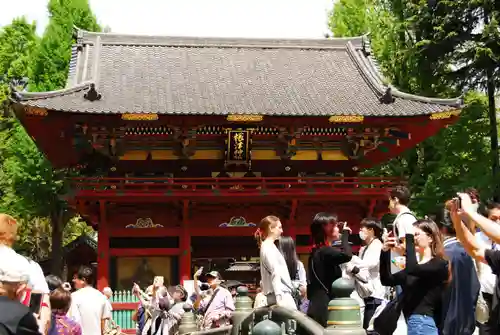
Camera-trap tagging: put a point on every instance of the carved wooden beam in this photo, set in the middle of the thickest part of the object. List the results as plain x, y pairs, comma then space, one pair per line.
185, 142
286, 146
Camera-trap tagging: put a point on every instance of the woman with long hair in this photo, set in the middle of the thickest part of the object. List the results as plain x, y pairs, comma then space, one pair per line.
324, 263
296, 269
423, 279
276, 282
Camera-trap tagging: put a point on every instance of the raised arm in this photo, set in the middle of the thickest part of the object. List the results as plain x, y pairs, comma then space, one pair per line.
490, 228
386, 277
336, 256
468, 240
426, 270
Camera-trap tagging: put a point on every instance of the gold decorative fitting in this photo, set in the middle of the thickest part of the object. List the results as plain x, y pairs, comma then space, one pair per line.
245, 118
346, 119
444, 115
142, 223
139, 117
35, 111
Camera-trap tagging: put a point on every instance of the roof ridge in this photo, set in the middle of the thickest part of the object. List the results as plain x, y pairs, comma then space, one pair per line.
88, 37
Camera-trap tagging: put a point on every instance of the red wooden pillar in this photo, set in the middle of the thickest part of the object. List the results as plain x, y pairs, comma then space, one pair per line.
103, 249
185, 245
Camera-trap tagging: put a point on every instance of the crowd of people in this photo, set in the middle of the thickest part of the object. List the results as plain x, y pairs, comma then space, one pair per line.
435, 275
31, 303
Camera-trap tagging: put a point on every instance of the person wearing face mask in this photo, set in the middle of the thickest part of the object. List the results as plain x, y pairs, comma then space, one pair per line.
367, 266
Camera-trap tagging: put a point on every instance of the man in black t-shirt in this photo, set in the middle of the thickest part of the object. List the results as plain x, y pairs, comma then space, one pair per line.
468, 213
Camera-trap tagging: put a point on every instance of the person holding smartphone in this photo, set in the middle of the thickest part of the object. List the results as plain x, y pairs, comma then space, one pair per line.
324, 263
464, 215
424, 278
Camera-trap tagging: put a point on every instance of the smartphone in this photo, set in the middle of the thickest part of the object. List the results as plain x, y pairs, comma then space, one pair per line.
458, 202
35, 302
159, 281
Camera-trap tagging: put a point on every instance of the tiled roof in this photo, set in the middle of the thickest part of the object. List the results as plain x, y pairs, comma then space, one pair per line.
182, 75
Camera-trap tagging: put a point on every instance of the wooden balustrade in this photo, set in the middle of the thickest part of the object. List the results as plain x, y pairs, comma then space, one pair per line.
124, 305
197, 187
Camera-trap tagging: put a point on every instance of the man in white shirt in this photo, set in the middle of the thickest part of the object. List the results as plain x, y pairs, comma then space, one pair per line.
486, 277
89, 307
399, 198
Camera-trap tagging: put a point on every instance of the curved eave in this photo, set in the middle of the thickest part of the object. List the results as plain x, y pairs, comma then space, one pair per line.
375, 79
29, 98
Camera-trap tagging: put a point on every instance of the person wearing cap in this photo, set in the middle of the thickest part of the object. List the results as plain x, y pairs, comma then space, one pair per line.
217, 310
14, 316
170, 311
35, 280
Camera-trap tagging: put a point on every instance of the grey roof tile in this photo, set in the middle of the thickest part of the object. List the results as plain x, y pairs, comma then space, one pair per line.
168, 75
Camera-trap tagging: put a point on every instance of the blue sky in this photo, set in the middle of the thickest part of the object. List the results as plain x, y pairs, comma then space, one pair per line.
220, 18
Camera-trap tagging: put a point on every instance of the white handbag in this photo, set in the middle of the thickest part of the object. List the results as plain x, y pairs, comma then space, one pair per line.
482, 310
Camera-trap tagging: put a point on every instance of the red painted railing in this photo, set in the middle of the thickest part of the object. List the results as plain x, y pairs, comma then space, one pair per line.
234, 187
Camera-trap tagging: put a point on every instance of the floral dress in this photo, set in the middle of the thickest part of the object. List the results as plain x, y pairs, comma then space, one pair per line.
65, 325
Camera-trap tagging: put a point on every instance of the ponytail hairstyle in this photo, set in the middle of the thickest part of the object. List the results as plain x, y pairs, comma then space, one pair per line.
265, 226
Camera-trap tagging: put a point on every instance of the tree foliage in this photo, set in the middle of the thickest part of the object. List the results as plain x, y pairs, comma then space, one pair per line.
458, 156
51, 61
17, 43
31, 189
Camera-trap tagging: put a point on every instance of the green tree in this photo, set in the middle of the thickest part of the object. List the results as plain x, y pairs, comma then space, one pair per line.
17, 43
350, 17
49, 71
453, 159
33, 190
51, 61
464, 36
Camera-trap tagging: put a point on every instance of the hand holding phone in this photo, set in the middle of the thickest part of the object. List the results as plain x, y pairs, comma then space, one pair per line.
35, 302
158, 281
346, 227
199, 272
389, 242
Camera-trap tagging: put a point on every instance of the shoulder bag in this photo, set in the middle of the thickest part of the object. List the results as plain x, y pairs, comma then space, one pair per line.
201, 320
482, 308
387, 321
